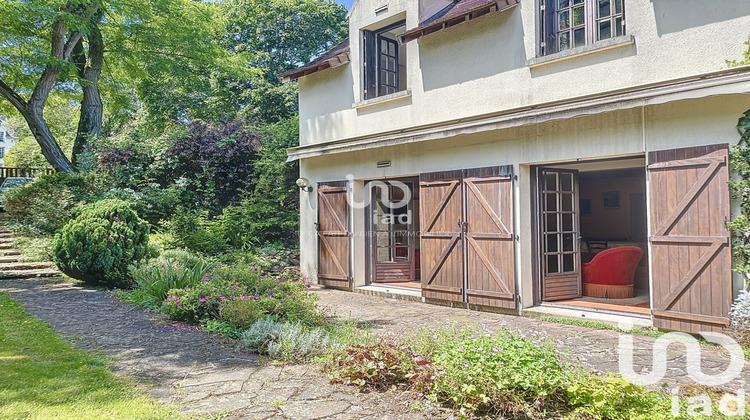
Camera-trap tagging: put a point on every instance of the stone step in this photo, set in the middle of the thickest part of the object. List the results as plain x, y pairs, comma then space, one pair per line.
4, 260
6, 246
26, 274
9, 252
20, 266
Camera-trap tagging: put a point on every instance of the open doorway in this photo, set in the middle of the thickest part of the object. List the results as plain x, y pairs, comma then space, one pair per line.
393, 228
593, 235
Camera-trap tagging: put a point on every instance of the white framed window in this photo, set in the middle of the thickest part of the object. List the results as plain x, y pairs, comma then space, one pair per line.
567, 24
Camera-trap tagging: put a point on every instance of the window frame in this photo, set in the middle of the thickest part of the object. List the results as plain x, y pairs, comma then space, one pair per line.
550, 30
372, 53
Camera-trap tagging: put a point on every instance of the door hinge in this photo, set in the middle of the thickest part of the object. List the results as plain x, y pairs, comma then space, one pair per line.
541, 7
317, 227
543, 44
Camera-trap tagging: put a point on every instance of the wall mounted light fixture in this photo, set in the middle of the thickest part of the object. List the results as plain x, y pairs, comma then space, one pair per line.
304, 184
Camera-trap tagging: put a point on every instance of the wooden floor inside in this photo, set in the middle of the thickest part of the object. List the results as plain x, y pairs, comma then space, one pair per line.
638, 308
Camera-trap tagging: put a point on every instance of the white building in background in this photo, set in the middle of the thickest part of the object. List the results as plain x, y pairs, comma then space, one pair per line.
8, 139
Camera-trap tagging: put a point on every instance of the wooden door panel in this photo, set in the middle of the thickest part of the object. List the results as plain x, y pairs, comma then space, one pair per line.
333, 235
441, 214
489, 245
690, 243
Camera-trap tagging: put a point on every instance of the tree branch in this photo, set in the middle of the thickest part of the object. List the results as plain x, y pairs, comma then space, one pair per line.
49, 75
15, 99
70, 44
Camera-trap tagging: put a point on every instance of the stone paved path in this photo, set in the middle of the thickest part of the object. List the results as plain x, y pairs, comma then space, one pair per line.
206, 374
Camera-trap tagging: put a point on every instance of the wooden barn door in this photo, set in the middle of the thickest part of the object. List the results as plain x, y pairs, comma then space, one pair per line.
690, 243
489, 237
333, 235
442, 219
561, 258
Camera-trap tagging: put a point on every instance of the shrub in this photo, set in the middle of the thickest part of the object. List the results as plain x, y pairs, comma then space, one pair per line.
287, 341
157, 277
485, 372
241, 313
613, 397
740, 315
196, 231
50, 201
99, 245
380, 365
216, 162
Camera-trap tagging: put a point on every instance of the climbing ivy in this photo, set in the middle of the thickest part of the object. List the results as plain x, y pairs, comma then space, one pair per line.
740, 188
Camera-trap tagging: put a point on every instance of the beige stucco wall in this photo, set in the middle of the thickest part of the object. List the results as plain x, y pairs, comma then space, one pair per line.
618, 133
480, 66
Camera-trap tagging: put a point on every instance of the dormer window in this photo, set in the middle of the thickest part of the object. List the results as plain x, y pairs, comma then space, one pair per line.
570, 24
384, 61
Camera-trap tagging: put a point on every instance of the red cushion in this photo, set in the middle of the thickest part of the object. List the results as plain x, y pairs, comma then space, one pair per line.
614, 266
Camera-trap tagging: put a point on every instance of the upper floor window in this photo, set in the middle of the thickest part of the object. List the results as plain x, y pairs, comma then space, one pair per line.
569, 24
384, 61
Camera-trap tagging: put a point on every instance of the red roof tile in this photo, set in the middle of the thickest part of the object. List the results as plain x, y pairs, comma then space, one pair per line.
336, 56
461, 11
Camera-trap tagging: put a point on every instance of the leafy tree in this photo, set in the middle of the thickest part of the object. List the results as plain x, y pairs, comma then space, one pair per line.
90, 47
61, 116
279, 35
215, 161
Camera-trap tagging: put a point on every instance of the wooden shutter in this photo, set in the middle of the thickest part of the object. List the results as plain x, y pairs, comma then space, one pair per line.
549, 28
369, 64
690, 243
490, 256
333, 235
441, 216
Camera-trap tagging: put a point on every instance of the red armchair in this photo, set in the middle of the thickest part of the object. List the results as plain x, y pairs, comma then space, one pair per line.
610, 274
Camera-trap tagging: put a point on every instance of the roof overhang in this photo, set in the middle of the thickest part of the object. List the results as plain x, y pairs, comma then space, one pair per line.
457, 15
724, 82
335, 57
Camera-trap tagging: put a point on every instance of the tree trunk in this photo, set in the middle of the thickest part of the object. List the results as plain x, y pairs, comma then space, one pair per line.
89, 71
33, 109
50, 149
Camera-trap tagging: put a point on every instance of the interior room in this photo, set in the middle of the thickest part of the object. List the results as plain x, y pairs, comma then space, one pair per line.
612, 232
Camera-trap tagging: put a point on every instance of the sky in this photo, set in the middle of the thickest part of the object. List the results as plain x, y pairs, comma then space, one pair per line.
347, 3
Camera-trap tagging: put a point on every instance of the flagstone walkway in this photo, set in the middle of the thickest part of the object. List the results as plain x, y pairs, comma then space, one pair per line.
205, 374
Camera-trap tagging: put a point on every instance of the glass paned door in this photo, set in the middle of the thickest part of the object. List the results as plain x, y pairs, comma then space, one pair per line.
559, 226
393, 228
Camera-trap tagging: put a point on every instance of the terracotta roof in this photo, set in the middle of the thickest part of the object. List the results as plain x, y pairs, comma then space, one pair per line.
457, 12
336, 56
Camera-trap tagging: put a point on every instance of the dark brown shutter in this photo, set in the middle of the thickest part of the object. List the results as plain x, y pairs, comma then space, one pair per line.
690, 242
442, 218
490, 251
333, 235
549, 32
370, 64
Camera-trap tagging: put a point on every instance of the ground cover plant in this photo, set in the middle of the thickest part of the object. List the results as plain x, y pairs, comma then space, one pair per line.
44, 378
500, 373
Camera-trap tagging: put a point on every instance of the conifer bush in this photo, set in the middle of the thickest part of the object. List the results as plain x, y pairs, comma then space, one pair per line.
98, 246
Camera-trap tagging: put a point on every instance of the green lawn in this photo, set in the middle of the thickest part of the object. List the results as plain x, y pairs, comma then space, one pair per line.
42, 377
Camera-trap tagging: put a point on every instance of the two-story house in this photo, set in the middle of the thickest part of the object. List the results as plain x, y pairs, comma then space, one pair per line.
490, 153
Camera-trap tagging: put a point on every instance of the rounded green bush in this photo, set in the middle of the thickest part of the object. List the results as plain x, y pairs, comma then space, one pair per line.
99, 244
